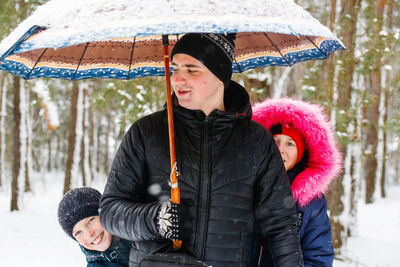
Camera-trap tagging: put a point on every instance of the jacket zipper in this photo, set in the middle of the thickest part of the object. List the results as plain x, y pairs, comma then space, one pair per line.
204, 202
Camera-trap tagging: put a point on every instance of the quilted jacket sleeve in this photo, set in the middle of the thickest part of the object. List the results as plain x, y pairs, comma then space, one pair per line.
275, 210
316, 235
122, 209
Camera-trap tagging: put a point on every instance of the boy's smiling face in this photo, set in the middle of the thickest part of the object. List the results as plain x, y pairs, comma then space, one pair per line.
91, 234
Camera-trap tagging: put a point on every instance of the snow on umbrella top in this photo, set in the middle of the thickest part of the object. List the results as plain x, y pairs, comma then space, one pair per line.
59, 24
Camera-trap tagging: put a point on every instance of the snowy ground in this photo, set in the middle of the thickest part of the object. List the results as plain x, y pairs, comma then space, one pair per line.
33, 237
378, 243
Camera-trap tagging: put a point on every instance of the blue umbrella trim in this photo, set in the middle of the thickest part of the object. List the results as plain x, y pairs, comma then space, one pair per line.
20, 69
13, 49
171, 28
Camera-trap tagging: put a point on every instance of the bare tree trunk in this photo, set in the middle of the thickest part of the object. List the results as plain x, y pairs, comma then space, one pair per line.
372, 112
96, 126
107, 143
384, 142
49, 155
21, 13
59, 153
397, 172
353, 196
370, 164
16, 144
64, 148
348, 24
332, 18
92, 149
28, 143
387, 94
330, 68
71, 137
36, 161
98, 139
82, 161
3, 93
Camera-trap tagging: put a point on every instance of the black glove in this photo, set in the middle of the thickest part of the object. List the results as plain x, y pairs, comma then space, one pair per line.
171, 220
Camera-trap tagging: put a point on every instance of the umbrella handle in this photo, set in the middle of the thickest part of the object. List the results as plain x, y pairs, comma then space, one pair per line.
175, 192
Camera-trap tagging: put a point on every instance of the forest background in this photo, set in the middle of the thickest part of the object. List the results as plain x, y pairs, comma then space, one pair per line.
74, 128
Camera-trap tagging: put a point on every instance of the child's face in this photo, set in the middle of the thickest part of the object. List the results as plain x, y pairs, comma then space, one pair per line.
288, 150
91, 234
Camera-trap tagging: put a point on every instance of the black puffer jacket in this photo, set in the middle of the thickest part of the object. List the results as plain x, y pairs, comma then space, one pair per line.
229, 167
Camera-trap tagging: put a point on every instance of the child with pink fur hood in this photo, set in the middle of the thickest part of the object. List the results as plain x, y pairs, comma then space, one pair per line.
316, 163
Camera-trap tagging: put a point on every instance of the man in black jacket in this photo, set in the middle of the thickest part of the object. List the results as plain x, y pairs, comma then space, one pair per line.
232, 180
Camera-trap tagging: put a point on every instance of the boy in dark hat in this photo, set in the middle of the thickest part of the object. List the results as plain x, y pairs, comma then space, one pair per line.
78, 215
230, 171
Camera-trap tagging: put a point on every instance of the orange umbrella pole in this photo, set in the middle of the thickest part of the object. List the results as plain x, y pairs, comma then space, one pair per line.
175, 193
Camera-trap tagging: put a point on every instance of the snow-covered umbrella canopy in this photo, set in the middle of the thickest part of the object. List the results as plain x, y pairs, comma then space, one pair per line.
122, 38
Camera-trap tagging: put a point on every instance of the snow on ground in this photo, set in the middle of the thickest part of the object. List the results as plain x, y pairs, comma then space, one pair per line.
378, 243
33, 237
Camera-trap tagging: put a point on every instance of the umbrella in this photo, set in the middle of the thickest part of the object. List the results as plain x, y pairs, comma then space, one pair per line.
121, 39
127, 39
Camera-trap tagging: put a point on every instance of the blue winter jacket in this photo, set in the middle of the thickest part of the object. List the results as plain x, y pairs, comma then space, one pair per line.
314, 227
315, 231
117, 255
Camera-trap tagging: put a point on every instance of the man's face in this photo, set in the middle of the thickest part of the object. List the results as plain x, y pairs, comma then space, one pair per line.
91, 234
195, 86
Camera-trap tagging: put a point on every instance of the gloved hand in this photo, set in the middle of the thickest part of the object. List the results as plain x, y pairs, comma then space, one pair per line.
171, 220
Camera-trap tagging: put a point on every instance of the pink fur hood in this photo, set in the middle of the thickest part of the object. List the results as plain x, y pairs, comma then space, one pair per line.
325, 160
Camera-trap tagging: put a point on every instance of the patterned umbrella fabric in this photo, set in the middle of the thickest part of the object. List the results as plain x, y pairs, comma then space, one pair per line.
122, 38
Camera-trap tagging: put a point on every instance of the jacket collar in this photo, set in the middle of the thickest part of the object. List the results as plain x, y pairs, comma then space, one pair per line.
109, 255
236, 101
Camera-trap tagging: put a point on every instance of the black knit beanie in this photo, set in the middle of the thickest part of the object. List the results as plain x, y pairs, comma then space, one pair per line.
215, 51
77, 204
